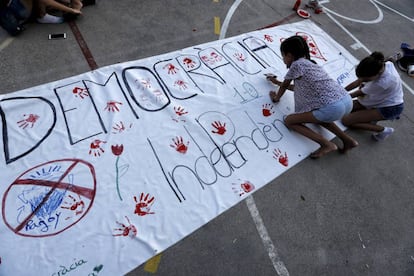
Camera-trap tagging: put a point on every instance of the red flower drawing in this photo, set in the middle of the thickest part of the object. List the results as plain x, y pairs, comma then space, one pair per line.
117, 150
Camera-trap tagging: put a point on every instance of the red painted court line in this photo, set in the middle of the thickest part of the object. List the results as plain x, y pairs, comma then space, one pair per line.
82, 44
91, 61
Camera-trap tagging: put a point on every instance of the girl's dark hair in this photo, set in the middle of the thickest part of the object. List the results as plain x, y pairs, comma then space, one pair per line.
370, 66
296, 46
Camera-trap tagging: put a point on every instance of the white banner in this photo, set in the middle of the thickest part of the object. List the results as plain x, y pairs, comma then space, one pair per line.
102, 171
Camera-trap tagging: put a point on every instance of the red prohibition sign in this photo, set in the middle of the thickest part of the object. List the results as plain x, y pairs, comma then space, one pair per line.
49, 198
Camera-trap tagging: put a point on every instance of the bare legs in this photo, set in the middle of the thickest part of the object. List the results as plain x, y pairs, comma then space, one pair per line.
77, 5
296, 122
44, 4
362, 118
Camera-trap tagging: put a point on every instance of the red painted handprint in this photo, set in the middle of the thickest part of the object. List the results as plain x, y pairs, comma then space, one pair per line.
220, 128
112, 106
95, 148
267, 110
313, 48
76, 205
29, 120
171, 68
179, 110
239, 56
189, 62
244, 188
181, 84
120, 127
268, 38
283, 159
179, 145
126, 230
143, 207
247, 186
80, 92
215, 56
146, 83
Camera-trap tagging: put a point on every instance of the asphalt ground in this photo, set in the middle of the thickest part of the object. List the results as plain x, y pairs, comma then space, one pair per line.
340, 215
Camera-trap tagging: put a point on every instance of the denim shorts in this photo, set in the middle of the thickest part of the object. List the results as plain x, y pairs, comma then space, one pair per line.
391, 112
334, 111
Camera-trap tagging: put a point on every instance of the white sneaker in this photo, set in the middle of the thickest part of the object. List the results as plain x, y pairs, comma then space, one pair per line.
380, 136
50, 19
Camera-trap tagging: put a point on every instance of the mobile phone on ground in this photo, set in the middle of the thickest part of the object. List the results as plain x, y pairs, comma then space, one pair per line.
57, 36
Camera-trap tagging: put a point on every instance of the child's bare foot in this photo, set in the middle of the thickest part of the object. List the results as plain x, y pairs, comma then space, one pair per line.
348, 145
323, 150
274, 97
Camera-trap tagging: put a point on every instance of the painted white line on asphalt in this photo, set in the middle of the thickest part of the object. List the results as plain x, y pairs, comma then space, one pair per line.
377, 20
395, 11
348, 32
229, 15
279, 266
363, 46
6, 43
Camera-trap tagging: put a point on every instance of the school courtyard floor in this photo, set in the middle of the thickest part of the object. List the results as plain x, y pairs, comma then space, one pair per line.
348, 215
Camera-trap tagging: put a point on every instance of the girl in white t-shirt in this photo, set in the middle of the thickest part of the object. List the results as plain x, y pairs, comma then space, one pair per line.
318, 98
379, 96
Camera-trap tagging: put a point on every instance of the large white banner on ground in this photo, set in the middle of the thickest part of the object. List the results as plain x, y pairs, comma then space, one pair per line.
104, 170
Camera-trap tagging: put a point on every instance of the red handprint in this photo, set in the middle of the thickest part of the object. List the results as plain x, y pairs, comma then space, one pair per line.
220, 128
181, 84
120, 127
313, 48
179, 145
111, 106
95, 148
81, 92
239, 56
247, 186
171, 68
143, 207
76, 205
126, 230
179, 110
244, 188
268, 38
146, 83
189, 62
215, 56
267, 110
28, 120
283, 159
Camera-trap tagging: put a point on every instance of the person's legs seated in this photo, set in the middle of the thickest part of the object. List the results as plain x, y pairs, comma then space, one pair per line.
297, 122
366, 119
43, 17
330, 113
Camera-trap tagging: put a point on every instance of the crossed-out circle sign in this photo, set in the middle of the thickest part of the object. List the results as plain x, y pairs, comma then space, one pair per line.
49, 198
